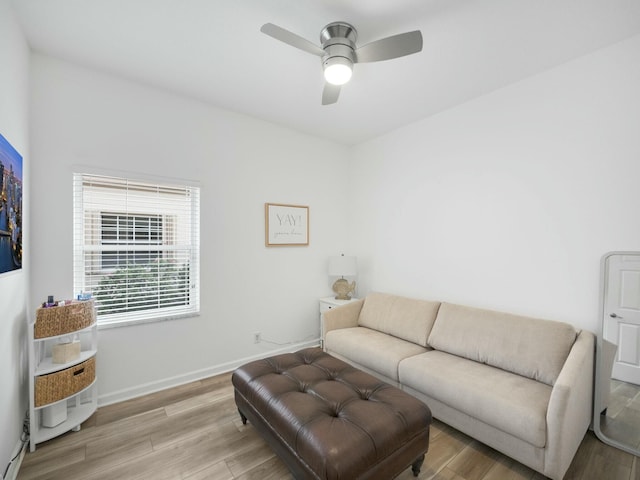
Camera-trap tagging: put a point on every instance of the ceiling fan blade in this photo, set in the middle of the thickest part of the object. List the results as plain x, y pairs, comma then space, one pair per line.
390, 47
330, 93
292, 39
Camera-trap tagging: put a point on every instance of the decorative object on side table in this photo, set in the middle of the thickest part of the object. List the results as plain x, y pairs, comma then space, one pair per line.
343, 267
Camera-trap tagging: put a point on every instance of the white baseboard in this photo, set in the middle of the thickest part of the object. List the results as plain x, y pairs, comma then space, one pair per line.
12, 473
152, 387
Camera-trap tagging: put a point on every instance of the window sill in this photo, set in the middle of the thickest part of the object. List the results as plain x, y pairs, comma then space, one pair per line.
130, 323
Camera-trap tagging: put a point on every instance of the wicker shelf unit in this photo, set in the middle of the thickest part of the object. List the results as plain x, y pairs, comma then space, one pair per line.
61, 395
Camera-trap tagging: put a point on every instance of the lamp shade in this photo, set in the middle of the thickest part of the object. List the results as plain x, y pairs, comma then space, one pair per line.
343, 266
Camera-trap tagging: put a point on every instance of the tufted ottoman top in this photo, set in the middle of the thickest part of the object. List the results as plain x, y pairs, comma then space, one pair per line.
338, 420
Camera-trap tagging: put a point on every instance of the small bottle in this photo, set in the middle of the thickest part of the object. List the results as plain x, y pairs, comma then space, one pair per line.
84, 296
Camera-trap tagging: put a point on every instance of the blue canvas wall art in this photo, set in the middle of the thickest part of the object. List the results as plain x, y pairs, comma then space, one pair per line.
10, 207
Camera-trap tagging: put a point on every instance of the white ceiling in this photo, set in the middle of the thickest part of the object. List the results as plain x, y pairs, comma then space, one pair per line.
213, 50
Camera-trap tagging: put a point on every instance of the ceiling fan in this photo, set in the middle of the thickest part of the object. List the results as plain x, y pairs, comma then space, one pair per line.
339, 52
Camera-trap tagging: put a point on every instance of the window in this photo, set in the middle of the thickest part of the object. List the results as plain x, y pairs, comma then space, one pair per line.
119, 229
136, 248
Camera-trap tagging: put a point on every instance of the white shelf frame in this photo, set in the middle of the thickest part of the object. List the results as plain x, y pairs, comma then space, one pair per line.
77, 413
47, 366
80, 405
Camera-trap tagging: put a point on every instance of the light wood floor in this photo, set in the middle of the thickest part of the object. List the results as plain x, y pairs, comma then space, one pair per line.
193, 432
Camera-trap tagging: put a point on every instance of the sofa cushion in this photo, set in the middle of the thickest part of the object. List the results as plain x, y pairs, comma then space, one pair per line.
406, 318
527, 346
509, 402
377, 351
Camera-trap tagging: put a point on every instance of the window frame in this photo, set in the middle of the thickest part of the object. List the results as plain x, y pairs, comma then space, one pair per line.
180, 252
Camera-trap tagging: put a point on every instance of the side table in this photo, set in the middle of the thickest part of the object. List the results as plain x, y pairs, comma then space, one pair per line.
326, 304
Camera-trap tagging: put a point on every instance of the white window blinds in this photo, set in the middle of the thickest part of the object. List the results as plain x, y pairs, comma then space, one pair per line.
136, 248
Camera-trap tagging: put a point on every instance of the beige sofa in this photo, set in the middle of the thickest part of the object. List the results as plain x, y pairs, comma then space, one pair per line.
521, 385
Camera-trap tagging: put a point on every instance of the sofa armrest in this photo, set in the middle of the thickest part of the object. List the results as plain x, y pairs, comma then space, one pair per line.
570, 406
344, 316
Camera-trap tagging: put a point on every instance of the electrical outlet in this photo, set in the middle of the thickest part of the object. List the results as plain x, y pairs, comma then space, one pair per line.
256, 337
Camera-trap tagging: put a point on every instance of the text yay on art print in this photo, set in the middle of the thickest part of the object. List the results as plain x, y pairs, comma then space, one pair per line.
286, 225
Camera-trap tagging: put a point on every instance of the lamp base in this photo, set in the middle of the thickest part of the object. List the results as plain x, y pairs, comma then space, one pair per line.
342, 288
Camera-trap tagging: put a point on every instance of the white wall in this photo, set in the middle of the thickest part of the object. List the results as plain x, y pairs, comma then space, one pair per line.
509, 201
83, 117
506, 202
14, 80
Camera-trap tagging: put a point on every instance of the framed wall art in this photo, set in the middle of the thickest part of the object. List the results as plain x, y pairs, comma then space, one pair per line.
10, 207
286, 225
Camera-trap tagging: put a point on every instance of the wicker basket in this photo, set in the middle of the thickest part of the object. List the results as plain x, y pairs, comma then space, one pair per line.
64, 383
52, 321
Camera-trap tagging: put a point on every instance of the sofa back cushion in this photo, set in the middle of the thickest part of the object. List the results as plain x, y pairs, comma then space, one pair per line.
406, 318
527, 346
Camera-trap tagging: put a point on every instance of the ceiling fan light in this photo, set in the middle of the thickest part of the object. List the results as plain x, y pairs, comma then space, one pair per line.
338, 70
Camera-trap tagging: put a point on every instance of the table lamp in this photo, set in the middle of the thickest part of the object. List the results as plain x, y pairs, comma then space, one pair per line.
343, 267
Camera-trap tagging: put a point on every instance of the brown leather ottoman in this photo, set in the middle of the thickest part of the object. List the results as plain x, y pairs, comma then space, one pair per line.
328, 420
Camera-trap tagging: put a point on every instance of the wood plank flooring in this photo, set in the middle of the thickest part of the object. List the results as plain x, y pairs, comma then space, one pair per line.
193, 432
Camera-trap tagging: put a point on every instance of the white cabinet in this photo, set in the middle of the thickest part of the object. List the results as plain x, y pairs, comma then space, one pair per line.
326, 304
61, 395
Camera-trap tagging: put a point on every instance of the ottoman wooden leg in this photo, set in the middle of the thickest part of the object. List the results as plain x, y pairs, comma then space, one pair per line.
242, 417
415, 466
